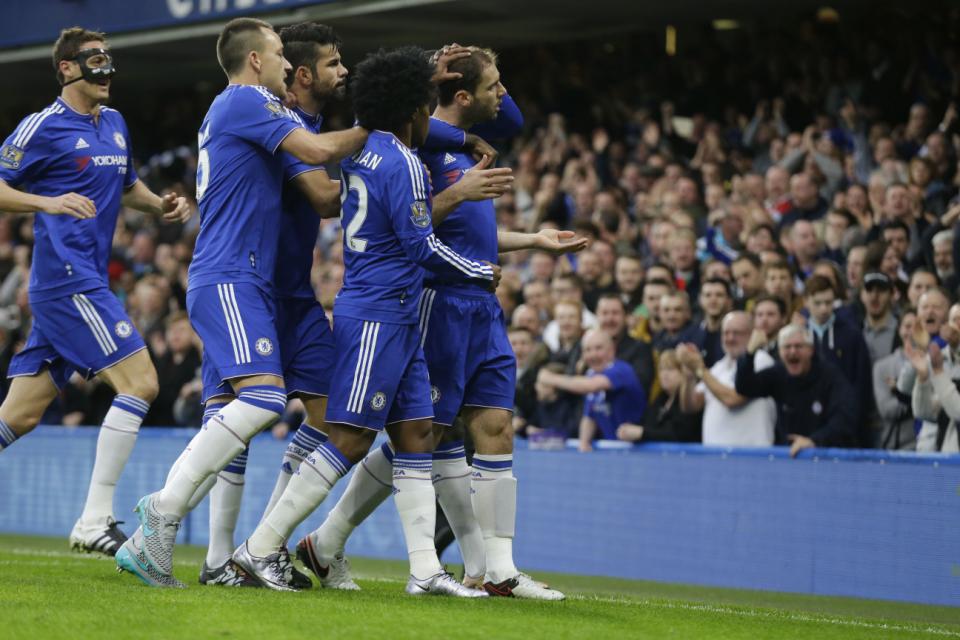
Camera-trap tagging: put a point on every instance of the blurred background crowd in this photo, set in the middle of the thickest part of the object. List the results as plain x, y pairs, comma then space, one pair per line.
803, 177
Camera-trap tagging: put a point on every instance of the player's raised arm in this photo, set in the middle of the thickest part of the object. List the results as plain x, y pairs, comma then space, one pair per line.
322, 148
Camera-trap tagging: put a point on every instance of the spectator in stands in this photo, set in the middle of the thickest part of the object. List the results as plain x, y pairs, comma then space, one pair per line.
729, 419
177, 361
595, 282
935, 400
628, 274
894, 407
812, 396
748, 275
675, 317
921, 281
804, 247
658, 245
612, 318
527, 317
664, 420
613, 395
683, 257
943, 258
536, 295
843, 345
879, 323
566, 288
778, 281
769, 316
648, 325
525, 400
715, 303
855, 268
567, 321
806, 203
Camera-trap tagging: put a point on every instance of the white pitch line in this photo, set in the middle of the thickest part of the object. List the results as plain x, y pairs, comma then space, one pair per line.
775, 614
685, 606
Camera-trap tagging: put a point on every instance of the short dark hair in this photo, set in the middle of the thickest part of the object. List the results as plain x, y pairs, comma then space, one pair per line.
302, 43
612, 296
817, 284
718, 281
68, 45
573, 278
752, 258
239, 37
389, 86
777, 300
896, 224
657, 282
471, 68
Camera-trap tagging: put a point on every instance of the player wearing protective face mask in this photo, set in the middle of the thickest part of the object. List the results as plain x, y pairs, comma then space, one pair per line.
71, 164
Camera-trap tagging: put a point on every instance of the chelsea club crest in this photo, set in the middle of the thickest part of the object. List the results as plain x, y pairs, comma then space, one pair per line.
378, 401
264, 346
123, 329
118, 139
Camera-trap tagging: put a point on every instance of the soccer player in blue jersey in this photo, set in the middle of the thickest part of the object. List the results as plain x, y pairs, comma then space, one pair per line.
305, 339
230, 294
306, 342
472, 367
72, 165
380, 380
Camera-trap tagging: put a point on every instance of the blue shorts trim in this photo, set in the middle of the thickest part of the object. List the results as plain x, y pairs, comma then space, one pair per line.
306, 346
380, 376
86, 332
237, 323
468, 353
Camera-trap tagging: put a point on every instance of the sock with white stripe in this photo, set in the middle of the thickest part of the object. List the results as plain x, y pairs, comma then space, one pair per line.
451, 480
226, 435
417, 505
118, 434
7, 435
308, 487
305, 441
494, 496
369, 486
225, 500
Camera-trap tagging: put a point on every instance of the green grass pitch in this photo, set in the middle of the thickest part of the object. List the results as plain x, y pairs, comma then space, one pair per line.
47, 592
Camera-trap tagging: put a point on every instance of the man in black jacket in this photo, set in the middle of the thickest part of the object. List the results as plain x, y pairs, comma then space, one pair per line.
812, 396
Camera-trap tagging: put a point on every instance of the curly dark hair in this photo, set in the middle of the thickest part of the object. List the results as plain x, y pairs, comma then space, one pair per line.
389, 86
302, 42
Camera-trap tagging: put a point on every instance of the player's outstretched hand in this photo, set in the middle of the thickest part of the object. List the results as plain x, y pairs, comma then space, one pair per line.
479, 148
559, 242
72, 204
175, 208
497, 272
443, 57
481, 183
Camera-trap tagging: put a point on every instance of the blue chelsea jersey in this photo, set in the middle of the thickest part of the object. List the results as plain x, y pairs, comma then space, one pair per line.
471, 228
388, 235
299, 225
239, 181
57, 151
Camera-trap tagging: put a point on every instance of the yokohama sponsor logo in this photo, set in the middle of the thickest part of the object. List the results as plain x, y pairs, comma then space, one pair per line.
109, 161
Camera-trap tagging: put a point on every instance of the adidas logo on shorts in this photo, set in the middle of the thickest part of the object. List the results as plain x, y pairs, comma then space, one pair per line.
448, 159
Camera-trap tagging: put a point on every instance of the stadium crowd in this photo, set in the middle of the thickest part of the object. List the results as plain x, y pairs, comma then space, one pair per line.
772, 256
